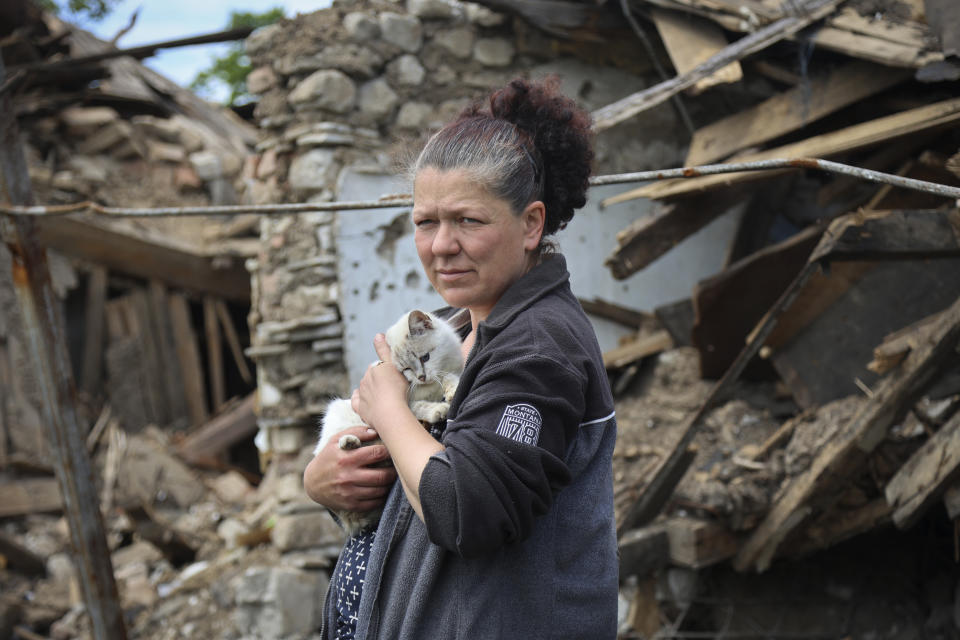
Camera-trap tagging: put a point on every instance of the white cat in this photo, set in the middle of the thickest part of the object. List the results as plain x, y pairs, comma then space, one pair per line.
427, 351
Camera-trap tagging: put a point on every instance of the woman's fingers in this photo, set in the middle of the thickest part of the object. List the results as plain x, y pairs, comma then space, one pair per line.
381, 347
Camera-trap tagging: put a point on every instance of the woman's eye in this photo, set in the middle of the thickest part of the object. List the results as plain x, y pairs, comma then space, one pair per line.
425, 357
423, 223
467, 220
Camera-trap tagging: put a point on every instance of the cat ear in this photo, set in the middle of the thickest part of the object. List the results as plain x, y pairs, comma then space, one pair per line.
419, 323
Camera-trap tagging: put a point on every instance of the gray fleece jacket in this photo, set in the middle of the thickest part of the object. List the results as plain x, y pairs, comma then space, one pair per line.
518, 539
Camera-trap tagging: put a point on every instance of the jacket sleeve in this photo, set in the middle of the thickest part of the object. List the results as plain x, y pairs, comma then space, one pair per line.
504, 455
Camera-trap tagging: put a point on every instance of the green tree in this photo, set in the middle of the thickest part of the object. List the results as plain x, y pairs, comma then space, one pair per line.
91, 9
231, 69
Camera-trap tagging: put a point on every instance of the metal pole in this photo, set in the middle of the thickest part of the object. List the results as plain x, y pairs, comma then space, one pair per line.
46, 343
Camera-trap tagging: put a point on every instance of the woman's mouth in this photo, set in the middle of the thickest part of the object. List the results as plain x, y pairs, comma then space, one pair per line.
451, 275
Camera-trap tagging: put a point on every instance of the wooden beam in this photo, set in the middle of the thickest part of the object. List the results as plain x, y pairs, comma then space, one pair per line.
926, 475
122, 249
214, 353
859, 136
791, 110
213, 439
615, 313
155, 391
29, 495
233, 339
633, 351
690, 40
699, 543
637, 103
646, 239
163, 330
836, 525
188, 356
94, 319
844, 453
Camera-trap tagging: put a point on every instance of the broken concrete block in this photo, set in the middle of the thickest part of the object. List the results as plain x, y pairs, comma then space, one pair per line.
407, 71
93, 169
276, 602
361, 27
83, 121
305, 530
457, 42
207, 164
314, 170
165, 152
377, 99
165, 129
493, 52
261, 80
231, 487
430, 9
326, 89
401, 30
105, 137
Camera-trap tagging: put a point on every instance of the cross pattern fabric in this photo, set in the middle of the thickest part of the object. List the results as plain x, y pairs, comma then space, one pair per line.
348, 581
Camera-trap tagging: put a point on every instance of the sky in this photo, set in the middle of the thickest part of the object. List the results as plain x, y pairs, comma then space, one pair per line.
161, 20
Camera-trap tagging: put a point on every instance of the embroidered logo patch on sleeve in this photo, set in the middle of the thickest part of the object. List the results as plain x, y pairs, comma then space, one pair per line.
521, 422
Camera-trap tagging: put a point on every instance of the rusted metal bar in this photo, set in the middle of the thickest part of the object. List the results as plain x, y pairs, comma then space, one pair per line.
404, 200
46, 342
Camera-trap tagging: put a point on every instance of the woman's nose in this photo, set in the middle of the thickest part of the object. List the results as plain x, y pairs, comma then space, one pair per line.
445, 240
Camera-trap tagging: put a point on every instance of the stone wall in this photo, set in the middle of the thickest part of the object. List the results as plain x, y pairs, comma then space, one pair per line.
356, 86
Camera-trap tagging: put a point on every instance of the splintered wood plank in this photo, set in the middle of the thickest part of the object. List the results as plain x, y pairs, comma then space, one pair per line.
94, 321
214, 352
691, 40
898, 344
925, 477
233, 339
214, 438
628, 107
638, 349
646, 239
699, 543
846, 452
188, 356
163, 330
29, 495
790, 110
869, 47
836, 526
152, 365
859, 136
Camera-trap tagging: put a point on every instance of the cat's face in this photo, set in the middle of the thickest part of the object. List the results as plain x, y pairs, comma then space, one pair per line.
420, 348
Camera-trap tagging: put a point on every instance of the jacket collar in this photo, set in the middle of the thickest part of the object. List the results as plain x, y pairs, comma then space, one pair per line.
533, 285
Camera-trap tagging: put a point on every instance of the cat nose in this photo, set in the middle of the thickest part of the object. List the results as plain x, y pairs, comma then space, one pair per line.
422, 377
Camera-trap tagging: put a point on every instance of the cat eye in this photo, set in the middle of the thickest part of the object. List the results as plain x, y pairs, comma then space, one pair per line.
425, 357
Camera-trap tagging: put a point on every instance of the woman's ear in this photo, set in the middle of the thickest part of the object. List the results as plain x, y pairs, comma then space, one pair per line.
533, 219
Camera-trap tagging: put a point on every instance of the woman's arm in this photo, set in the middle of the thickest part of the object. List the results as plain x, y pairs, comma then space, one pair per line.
381, 401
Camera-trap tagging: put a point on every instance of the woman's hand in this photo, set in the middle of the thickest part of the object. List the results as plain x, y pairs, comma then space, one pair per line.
342, 479
382, 394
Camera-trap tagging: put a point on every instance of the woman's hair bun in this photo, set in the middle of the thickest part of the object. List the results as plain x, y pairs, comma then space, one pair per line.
560, 132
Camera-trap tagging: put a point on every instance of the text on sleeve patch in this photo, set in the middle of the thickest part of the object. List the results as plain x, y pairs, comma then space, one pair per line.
521, 422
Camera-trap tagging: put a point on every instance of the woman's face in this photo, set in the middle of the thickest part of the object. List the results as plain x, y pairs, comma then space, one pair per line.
471, 244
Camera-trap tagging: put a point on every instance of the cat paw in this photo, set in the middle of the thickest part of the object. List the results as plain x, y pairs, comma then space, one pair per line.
433, 412
349, 441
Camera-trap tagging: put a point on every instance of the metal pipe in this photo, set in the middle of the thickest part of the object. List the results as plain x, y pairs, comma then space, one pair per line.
46, 344
404, 200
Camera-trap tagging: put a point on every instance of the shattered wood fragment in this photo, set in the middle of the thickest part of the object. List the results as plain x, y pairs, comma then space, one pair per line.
901, 43
214, 438
638, 349
728, 305
615, 313
29, 495
881, 130
644, 551
898, 344
943, 16
924, 478
836, 525
233, 340
951, 500
93, 344
625, 108
789, 111
214, 352
163, 330
699, 543
646, 239
897, 234
644, 616
677, 318
188, 356
845, 453
690, 40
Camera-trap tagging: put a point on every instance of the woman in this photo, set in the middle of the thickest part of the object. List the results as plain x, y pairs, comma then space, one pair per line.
502, 526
